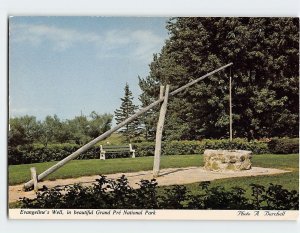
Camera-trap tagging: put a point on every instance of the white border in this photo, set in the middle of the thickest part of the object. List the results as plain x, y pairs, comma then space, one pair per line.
128, 8
150, 214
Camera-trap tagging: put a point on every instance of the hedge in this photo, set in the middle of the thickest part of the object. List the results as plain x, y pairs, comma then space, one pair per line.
284, 145
56, 152
198, 147
53, 152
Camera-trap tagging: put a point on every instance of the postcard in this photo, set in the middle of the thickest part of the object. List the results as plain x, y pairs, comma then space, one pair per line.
153, 118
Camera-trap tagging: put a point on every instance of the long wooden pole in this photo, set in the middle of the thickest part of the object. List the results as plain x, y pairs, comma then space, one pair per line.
120, 125
159, 132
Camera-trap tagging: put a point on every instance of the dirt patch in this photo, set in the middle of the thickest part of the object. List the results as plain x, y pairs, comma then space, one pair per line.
170, 176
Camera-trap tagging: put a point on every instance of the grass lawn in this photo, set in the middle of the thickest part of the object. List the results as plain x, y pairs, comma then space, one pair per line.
77, 168
113, 139
20, 173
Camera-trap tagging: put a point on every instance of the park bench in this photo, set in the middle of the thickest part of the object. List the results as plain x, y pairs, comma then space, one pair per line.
107, 149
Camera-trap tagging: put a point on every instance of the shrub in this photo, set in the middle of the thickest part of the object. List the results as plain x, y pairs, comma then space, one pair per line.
284, 145
198, 147
255, 146
15, 156
182, 147
144, 149
53, 152
117, 194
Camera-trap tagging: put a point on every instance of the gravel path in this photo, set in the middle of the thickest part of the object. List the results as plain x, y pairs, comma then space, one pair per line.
170, 176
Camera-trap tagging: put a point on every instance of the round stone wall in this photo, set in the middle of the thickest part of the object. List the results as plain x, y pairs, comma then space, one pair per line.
222, 160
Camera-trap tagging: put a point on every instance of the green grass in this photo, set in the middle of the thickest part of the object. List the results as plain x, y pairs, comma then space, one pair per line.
20, 173
77, 168
114, 139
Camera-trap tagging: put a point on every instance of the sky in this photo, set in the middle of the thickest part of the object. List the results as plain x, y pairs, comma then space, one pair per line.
72, 65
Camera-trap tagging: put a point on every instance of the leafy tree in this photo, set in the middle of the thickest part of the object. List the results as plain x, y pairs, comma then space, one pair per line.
78, 128
23, 130
27, 130
98, 124
265, 54
51, 129
127, 109
83, 128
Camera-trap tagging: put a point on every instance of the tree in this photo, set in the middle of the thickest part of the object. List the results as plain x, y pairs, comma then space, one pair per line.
265, 54
51, 130
23, 130
98, 124
83, 129
149, 118
127, 109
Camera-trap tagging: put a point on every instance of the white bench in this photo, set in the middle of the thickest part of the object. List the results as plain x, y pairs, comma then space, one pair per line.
116, 149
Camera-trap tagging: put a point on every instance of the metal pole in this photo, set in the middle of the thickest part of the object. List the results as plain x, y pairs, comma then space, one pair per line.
109, 132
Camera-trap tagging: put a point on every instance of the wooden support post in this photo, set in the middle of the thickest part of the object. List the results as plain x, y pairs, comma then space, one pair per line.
34, 178
157, 152
120, 125
159, 131
161, 92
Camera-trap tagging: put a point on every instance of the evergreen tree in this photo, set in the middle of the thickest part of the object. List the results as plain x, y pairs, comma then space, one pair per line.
126, 110
149, 118
265, 55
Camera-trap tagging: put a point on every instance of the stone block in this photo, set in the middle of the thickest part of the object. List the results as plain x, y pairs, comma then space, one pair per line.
224, 160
